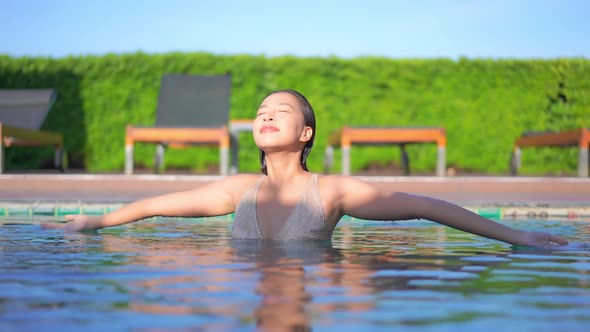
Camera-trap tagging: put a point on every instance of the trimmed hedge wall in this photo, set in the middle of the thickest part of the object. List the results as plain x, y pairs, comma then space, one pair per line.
483, 105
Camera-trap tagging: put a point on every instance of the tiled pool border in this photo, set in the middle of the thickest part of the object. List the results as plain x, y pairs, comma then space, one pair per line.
530, 211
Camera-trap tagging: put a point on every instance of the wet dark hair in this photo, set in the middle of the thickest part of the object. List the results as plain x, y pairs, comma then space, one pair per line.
308, 118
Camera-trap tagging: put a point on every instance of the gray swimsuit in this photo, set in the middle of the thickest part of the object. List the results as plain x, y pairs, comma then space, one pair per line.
306, 221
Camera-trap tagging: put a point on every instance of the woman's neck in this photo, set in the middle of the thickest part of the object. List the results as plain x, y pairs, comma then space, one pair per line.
283, 167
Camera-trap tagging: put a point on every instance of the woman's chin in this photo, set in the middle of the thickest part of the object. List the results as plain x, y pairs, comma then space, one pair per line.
269, 149
274, 148
268, 145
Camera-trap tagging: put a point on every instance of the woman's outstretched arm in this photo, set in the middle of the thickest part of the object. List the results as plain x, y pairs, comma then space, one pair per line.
210, 200
362, 200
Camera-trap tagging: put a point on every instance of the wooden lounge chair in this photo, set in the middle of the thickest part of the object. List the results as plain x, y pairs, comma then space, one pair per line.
347, 136
22, 112
192, 110
577, 137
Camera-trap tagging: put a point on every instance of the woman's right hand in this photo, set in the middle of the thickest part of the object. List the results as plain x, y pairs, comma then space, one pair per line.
76, 223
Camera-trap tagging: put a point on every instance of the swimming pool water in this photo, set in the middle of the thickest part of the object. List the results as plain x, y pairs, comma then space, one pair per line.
188, 275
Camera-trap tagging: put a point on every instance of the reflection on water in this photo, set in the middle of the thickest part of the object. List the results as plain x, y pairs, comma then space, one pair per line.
190, 275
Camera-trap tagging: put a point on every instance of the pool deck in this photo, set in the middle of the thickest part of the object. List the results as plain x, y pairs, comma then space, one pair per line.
481, 191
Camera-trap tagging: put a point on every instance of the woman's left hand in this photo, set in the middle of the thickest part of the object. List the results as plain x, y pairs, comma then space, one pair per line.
542, 239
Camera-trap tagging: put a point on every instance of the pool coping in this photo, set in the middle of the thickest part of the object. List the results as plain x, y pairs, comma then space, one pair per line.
491, 196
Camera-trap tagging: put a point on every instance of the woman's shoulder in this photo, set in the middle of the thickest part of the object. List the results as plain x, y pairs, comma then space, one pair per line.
242, 179
336, 178
339, 182
245, 176
237, 184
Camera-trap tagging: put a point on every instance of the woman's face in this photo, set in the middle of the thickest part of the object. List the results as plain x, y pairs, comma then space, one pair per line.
279, 124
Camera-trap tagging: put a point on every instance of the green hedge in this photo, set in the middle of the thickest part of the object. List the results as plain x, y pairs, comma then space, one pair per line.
483, 105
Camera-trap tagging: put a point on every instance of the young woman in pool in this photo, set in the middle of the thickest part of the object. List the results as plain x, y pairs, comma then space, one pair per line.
290, 203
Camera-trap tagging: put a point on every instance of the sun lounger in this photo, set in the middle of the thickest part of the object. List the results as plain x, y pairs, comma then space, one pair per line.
192, 110
22, 112
576, 137
401, 136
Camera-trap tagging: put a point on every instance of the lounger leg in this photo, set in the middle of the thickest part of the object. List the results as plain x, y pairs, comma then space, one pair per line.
328, 159
159, 159
346, 160
405, 159
129, 159
515, 162
441, 161
583, 162
235, 152
58, 162
223, 160
1, 155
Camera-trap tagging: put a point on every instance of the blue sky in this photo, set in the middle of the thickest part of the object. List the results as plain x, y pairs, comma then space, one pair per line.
345, 28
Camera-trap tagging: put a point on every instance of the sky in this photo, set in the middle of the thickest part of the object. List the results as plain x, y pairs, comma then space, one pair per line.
304, 28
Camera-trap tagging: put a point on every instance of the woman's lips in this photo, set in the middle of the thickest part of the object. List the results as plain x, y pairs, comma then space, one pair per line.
268, 129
